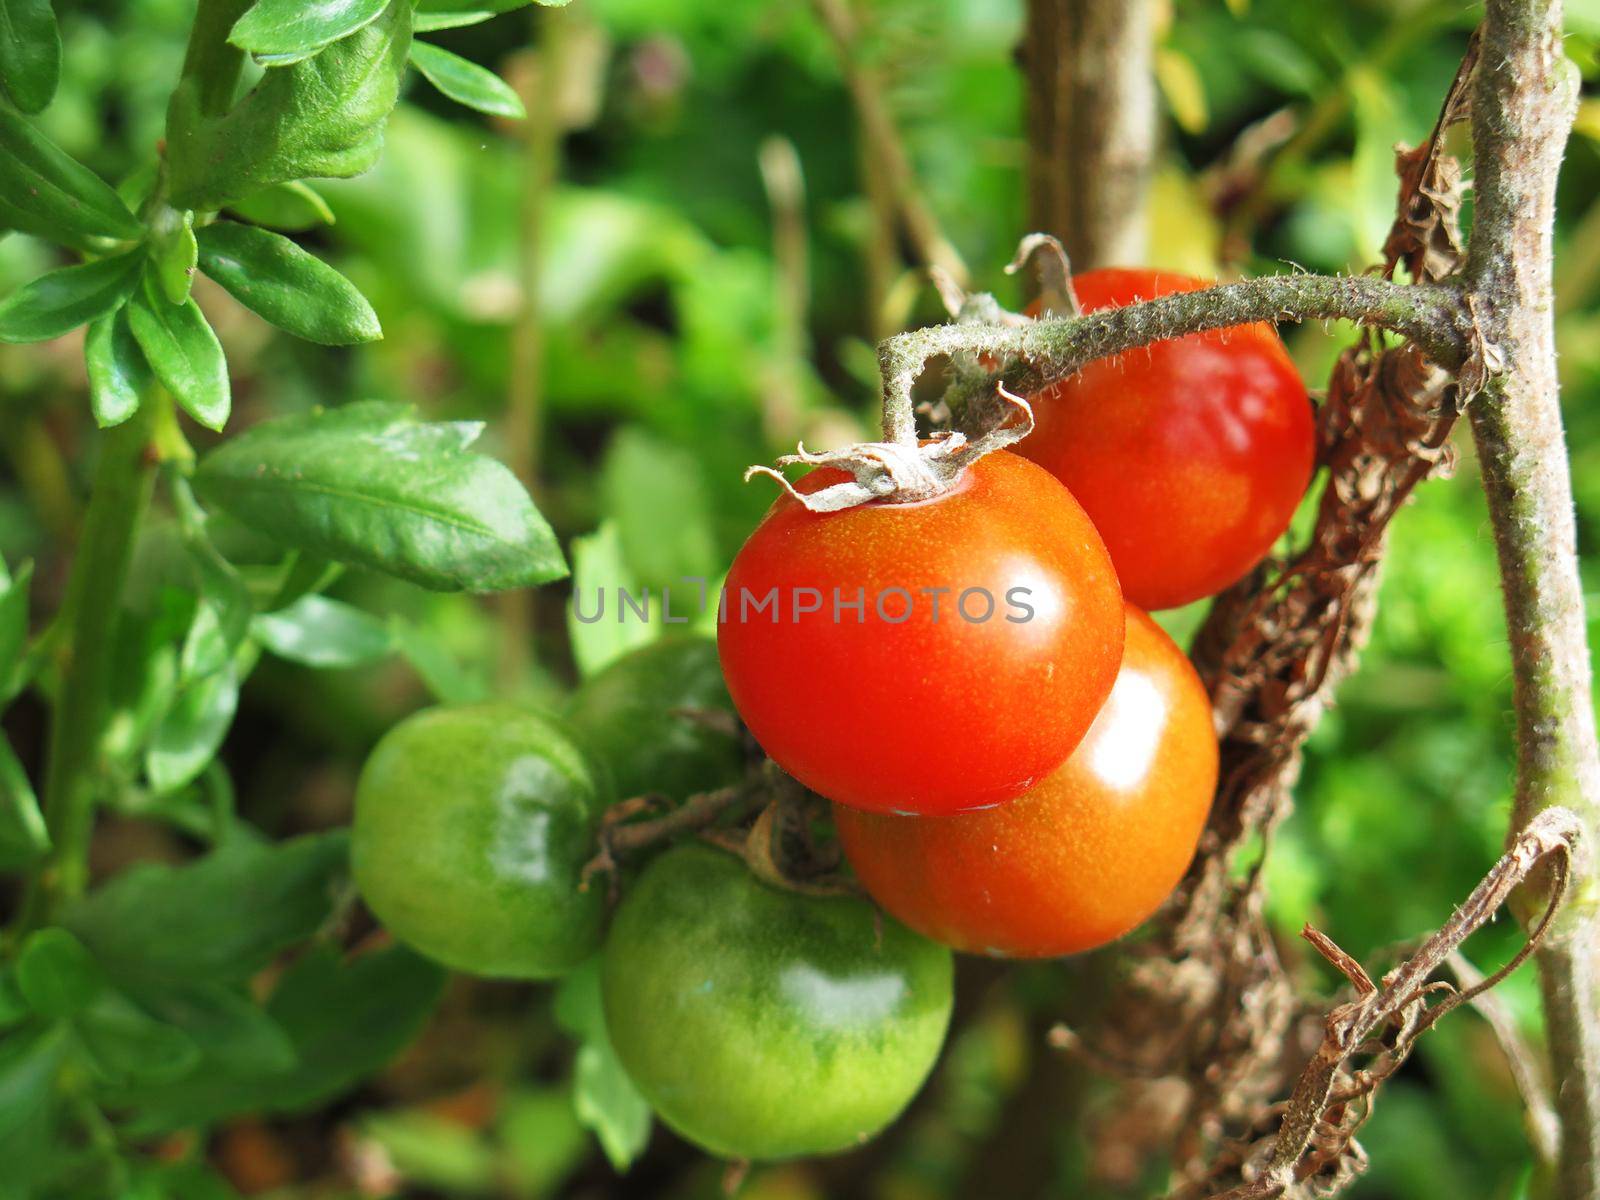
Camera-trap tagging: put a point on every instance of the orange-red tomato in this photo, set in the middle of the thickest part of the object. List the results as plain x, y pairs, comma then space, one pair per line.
1086, 855
931, 657
1190, 455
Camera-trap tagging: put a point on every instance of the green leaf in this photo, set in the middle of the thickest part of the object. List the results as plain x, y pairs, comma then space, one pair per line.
294, 27
220, 918
466, 82
370, 485
46, 192
231, 1032
13, 1007
321, 117
458, 19
118, 373
318, 632
56, 974
447, 679
174, 253
653, 490
23, 836
288, 206
344, 1020
60, 301
600, 575
192, 731
296, 291
30, 53
184, 354
606, 1099
127, 1044
29, 1062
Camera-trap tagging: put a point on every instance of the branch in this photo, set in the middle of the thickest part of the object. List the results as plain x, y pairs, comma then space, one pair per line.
1522, 111
1431, 315
1330, 1102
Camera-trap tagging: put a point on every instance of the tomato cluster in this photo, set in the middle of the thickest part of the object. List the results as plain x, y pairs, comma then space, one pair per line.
1032, 787
1020, 759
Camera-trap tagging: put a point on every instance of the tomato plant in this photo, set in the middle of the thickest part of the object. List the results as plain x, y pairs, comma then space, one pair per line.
985, 635
765, 1024
649, 716
1087, 853
472, 827
1189, 455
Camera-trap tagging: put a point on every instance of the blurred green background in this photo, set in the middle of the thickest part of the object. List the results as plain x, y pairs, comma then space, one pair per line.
691, 303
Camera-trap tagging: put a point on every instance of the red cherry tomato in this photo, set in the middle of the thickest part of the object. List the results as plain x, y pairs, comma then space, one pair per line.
1087, 854
1190, 455
924, 658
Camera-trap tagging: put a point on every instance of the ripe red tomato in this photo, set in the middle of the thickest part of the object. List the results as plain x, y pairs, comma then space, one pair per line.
1087, 854
930, 657
1189, 455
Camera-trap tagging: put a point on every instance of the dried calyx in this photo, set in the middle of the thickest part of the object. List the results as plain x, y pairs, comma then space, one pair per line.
900, 471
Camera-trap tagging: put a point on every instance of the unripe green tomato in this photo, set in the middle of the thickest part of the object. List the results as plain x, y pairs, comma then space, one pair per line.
472, 827
764, 1024
630, 717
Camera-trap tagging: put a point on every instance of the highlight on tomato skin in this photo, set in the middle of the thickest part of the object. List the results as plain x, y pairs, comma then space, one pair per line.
948, 689
1082, 858
1190, 455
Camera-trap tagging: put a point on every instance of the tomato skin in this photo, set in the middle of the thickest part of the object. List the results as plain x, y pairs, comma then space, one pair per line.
472, 825
629, 717
1086, 855
925, 715
1190, 455
764, 1024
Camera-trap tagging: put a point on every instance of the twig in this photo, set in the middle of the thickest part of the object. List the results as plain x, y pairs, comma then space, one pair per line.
1330, 1102
884, 143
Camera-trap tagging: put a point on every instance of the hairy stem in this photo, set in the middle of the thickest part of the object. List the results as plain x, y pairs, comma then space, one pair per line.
1522, 111
122, 485
1431, 315
1091, 125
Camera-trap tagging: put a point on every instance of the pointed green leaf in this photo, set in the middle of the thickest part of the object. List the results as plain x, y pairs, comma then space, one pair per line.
60, 301
173, 252
297, 28
46, 192
117, 369
286, 206
296, 291
369, 484
606, 1098
466, 82
30, 53
432, 22
23, 836
219, 918
184, 354
318, 632
321, 117
192, 730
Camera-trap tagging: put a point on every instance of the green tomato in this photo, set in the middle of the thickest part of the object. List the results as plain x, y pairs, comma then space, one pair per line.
472, 826
629, 717
764, 1024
